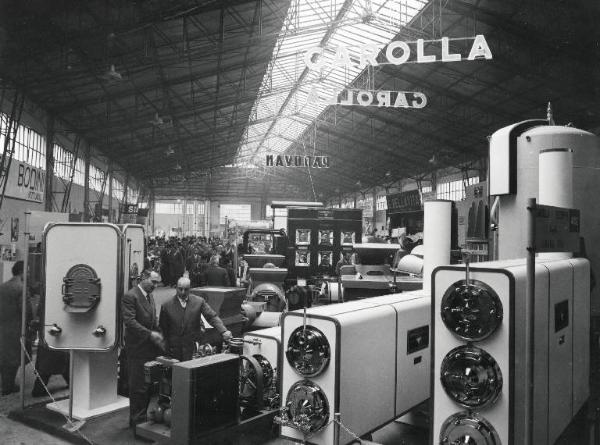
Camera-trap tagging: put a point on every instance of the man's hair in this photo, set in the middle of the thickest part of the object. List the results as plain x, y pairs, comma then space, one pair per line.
17, 268
149, 274
183, 282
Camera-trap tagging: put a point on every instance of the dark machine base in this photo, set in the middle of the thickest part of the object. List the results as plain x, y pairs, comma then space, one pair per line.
253, 431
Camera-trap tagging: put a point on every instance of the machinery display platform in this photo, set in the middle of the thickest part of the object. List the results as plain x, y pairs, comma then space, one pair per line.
113, 429
253, 431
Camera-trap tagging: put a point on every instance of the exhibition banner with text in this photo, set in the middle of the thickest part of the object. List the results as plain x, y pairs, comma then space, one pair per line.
25, 182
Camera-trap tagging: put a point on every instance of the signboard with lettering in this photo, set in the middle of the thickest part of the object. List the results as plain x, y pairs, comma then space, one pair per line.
556, 229
25, 182
297, 161
367, 98
404, 202
398, 52
129, 213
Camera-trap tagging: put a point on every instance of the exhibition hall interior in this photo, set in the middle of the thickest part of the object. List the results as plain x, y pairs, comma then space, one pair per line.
324, 222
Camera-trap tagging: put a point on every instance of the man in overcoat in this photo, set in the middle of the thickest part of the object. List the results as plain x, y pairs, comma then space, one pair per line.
214, 275
181, 321
11, 294
143, 341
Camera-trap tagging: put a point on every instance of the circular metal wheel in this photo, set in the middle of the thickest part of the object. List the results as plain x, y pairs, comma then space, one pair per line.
251, 381
267, 369
471, 311
468, 429
308, 351
307, 407
471, 377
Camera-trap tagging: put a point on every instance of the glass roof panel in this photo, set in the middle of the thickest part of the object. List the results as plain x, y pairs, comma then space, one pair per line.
285, 106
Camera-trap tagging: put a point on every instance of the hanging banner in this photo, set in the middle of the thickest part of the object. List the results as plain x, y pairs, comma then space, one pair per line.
297, 161
404, 202
368, 98
25, 182
398, 52
129, 213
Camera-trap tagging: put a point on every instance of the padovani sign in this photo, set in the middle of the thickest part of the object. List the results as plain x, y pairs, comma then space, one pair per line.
297, 161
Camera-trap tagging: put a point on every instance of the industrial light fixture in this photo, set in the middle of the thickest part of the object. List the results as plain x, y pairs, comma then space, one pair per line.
112, 74
159, 120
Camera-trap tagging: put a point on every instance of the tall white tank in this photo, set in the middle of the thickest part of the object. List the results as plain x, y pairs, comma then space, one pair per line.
512, 213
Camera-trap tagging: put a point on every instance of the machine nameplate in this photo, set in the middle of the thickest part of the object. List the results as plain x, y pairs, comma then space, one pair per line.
417, 339
561, 315
557, 229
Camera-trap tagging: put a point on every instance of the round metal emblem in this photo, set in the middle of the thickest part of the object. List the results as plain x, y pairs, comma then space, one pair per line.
471, 311
471, 377
468, 429
308, 351
307, 406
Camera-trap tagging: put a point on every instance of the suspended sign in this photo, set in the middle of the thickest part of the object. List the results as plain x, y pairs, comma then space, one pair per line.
24, 182
404, 202
297, 161
368, 98
129, 213
397, 53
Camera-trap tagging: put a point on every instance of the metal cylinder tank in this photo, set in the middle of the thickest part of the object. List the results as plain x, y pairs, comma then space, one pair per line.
512, 230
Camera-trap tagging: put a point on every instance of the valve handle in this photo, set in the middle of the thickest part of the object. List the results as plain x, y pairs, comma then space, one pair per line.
100, 331
55, 330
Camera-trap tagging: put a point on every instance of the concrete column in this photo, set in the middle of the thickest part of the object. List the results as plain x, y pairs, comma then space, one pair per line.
86, 184
49, 164
110, 192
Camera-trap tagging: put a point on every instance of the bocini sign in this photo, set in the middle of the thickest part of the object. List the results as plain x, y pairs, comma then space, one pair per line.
25, 182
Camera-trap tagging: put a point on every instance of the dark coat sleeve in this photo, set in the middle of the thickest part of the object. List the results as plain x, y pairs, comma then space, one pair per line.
212, 317
226, 280
128, 310
163, 320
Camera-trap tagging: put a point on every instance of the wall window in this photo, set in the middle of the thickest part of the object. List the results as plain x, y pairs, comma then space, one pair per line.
117, 189
30, 146
168, 208
236, 212
63, 161
454, 190
364, 203
97, 179
381, 202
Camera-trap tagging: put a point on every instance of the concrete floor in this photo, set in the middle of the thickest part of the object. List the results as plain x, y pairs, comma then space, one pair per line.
15, 433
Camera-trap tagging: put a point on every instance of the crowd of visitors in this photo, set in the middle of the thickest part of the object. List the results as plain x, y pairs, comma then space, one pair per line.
208, 261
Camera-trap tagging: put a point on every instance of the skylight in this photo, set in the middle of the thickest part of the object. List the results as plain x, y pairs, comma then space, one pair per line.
281, 112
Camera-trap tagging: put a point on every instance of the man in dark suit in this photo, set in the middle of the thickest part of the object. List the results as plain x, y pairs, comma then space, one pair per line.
181, 321
143, 341
214, 275
11, 294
